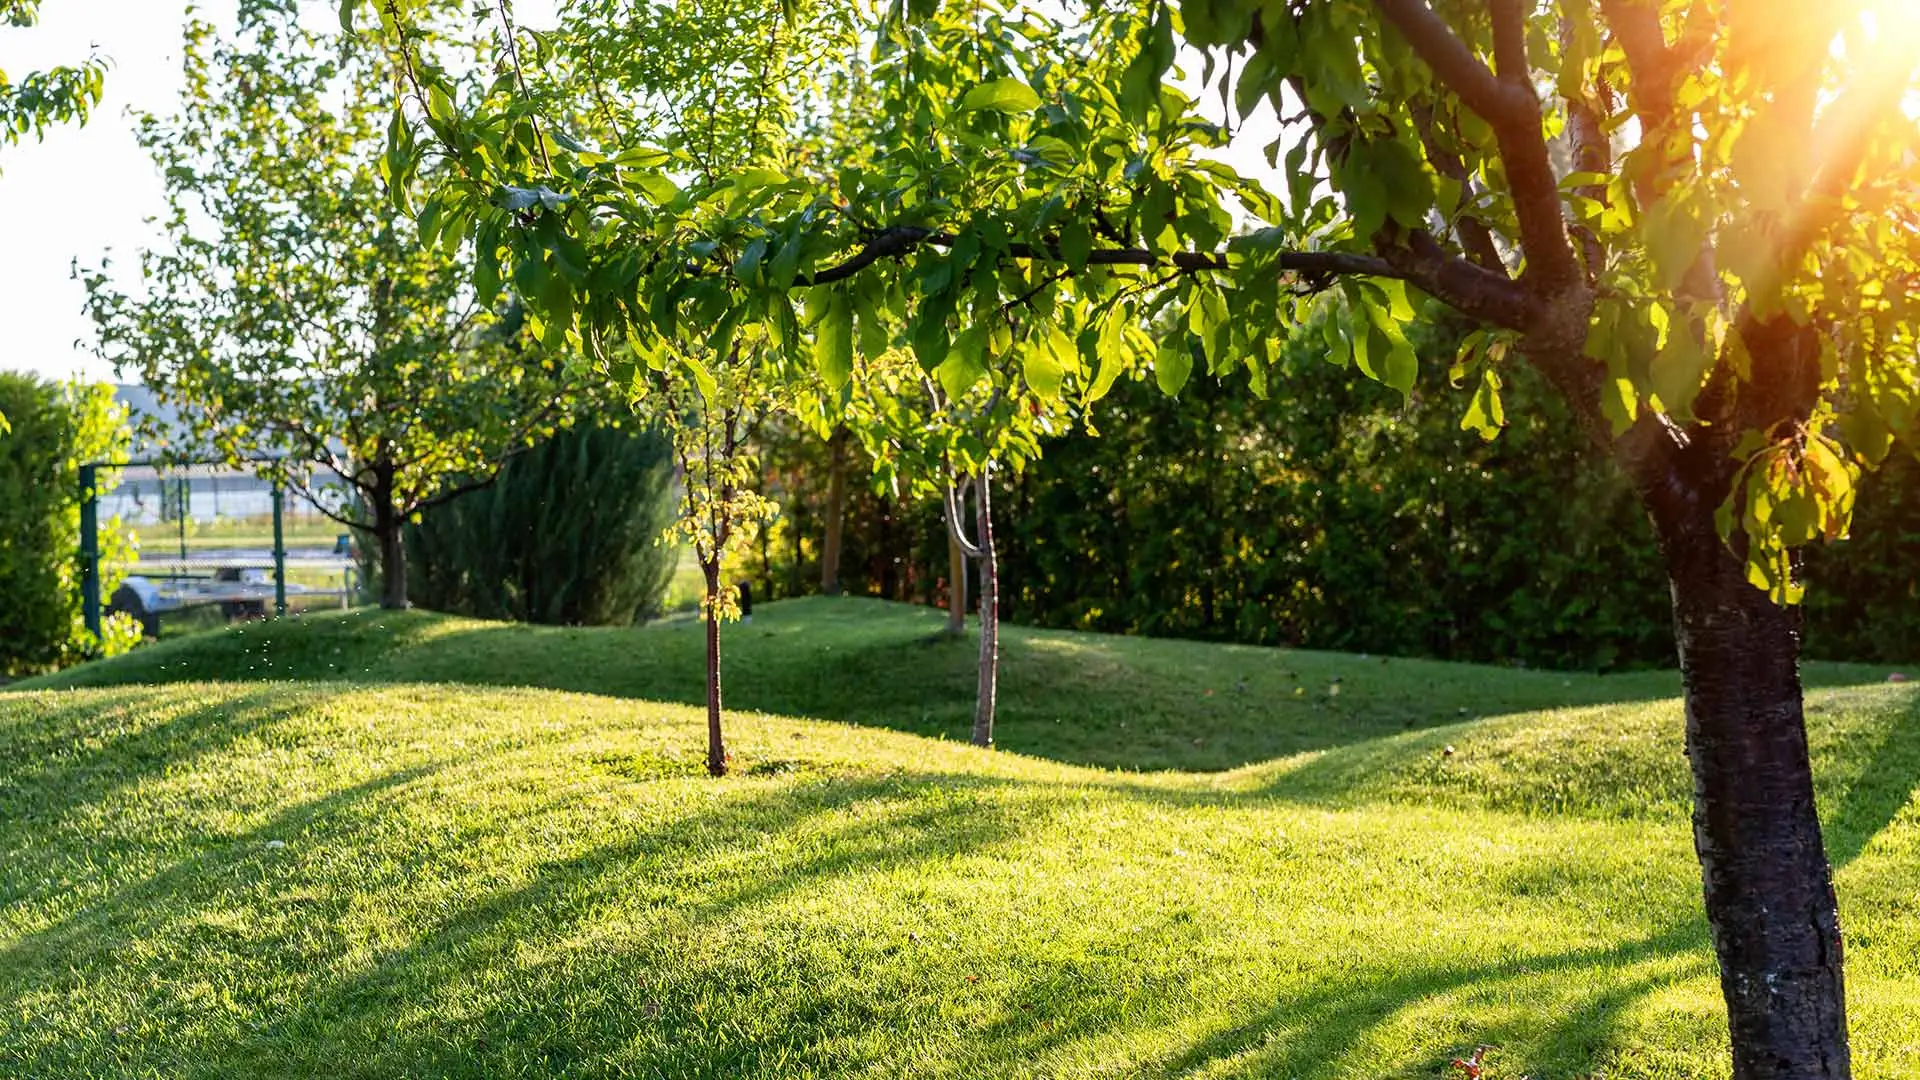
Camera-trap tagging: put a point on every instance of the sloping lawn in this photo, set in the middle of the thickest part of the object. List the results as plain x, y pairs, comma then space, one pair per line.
1087, 699
366, 875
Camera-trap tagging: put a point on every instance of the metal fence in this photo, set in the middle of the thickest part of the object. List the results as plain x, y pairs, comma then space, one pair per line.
208, 538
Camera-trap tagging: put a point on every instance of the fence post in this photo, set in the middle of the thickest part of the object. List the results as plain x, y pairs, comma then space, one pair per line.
90, 550
279, 558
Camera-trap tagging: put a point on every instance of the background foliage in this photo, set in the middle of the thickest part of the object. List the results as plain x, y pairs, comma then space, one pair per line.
567, 534
52, 431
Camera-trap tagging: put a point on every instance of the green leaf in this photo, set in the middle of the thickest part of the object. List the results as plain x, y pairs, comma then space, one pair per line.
965, 364
1001, 95
1673, 233
1043, 364
833, 341
702, 378
747, 266
1677, 371
1110, 348
1173, 363
1140, 83
1076, 245
1402, 366
1485, 413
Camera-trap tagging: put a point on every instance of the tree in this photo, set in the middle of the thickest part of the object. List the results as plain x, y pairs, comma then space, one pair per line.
568, 534
716, 84
42, 99
298, 315
1724, 313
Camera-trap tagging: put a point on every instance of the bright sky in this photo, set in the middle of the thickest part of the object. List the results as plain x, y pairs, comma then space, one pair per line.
83, 190
87, 192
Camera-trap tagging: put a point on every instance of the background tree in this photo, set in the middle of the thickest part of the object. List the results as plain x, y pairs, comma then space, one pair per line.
568, 534
1723, 312
298, 314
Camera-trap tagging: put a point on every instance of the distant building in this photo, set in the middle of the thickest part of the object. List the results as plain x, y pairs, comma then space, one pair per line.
148, 495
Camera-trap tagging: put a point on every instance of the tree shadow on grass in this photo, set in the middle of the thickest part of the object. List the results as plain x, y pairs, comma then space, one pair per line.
637, 954
65, 758
1086, 699
1317, 1034
379, 1011
1877, 771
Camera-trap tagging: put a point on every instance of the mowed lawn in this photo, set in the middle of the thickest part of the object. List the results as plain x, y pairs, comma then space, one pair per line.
405, 845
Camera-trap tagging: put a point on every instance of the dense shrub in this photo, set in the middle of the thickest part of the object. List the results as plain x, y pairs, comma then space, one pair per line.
1863, 596
1334, 515
49, 431
567, 534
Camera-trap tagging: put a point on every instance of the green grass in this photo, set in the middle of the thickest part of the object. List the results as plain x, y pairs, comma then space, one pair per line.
162, 539
370, 870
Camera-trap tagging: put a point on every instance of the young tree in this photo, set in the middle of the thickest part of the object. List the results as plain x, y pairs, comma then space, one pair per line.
710, 415
297, 314
718, 87
1724, 311
943, 435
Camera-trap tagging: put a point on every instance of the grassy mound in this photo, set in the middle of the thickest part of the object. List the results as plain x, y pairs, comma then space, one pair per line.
375, 876
1089, 699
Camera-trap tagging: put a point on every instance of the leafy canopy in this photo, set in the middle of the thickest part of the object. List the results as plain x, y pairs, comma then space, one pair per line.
1614, 192
294, 310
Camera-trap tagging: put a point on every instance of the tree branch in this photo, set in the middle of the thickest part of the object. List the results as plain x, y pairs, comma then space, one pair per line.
1475, 291
1463, 73
1509, 105
900, 239
1636, 26
1474, 235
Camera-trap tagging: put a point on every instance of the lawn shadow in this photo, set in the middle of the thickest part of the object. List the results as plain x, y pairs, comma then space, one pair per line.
1085, 699
1877, 771
360, 996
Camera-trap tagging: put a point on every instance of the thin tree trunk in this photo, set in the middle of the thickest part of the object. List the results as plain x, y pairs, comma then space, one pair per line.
983, 705
1768, 887
836, 512
956, 585
716, 742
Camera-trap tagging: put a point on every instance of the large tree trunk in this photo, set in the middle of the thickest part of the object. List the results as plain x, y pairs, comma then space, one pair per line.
989, 681
836, 512
393, 569
1769, 891
956, 585
716, 743
386, 534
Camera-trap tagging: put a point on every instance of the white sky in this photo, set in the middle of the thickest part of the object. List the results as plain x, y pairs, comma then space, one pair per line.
87, 192
83, 190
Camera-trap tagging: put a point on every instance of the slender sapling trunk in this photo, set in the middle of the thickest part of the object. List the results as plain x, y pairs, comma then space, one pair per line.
989, 681
716, 742
956, 585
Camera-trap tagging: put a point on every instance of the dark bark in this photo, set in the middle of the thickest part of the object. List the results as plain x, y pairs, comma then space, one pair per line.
716, 741
386, 534
1766, 881
1768, 888
836, 513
